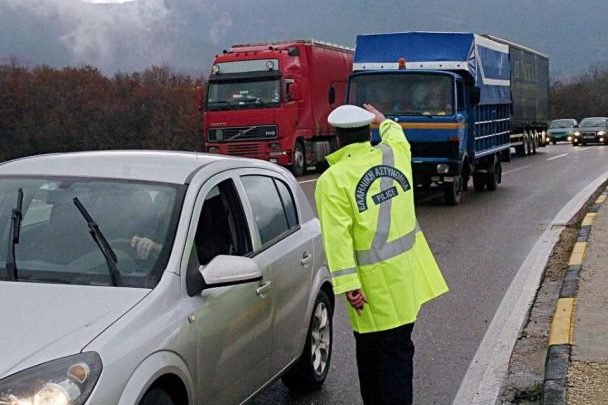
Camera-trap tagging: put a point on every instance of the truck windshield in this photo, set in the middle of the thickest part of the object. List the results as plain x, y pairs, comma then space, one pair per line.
239, 94
404, 93
55, 245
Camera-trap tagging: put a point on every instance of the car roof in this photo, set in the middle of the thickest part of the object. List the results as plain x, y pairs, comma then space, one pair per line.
148, 165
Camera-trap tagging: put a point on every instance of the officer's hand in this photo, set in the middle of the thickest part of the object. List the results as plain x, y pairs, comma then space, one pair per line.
357, 299
378, 116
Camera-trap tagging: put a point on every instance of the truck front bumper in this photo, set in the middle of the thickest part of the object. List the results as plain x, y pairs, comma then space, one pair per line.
429, 172
268, 151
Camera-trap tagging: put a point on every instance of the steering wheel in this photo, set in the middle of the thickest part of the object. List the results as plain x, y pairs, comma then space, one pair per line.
93, 260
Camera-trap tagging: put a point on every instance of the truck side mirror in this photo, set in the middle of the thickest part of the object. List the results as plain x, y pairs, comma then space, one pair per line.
475, 95
294, 92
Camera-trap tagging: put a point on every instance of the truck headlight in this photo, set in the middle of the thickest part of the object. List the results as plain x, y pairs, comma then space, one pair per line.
569, 138
576, 133
601, 133
66, 381
442, 168
213, 149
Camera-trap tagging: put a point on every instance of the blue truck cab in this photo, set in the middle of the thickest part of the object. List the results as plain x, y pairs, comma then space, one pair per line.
451, 93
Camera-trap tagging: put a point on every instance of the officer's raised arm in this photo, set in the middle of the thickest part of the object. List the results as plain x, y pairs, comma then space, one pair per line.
390, 131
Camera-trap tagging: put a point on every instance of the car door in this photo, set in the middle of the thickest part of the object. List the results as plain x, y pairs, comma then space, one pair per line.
233, 323
287, 247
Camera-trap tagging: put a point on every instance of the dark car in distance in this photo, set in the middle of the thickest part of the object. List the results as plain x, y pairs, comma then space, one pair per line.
591, 130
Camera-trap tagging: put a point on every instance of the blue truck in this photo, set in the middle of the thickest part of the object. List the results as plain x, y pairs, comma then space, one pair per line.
463, 100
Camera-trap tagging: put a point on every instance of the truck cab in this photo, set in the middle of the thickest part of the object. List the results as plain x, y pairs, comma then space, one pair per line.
433, 108
271, 101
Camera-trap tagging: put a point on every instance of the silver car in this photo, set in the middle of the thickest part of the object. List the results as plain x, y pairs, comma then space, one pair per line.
157, 278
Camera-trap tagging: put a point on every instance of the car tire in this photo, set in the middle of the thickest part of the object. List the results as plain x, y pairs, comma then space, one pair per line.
157, 396
310, 370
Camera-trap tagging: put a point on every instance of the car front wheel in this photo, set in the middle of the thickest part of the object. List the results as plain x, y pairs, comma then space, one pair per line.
310, 370
157, 396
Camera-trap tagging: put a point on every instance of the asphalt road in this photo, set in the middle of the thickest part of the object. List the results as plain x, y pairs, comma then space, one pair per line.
479, 245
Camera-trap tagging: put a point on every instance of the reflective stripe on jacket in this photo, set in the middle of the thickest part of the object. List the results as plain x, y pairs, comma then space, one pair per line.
365, 203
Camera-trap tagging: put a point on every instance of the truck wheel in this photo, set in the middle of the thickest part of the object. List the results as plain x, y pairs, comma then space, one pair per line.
554, 142
479, 181
494, 177
310, 371
452, 191
299, 159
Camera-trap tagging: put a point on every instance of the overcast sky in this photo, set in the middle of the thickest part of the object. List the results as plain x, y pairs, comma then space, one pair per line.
184, 34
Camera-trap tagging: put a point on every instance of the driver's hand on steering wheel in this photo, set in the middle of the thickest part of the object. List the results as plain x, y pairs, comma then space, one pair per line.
144, 246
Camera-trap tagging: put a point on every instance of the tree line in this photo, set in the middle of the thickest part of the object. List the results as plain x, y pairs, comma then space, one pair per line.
583, 96
46, 110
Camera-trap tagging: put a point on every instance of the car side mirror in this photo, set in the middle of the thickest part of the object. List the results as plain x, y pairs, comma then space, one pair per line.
475, 95
223, 271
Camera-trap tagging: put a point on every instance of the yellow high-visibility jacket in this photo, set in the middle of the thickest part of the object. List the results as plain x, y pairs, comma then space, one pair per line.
365, 203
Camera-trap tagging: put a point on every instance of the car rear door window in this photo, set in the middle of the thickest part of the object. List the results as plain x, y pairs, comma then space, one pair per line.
288, 204
272, 205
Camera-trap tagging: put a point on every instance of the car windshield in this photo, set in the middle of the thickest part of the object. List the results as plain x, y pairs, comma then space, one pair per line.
593, 122
241, 94
404, 94
561, 124
56, 245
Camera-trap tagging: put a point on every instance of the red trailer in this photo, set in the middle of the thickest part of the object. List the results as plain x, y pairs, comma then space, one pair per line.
271, 101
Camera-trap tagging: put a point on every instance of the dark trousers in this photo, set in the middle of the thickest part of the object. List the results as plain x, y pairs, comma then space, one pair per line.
385, 361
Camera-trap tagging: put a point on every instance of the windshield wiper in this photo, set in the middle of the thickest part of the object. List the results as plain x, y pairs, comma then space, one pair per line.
16, 217
102, 242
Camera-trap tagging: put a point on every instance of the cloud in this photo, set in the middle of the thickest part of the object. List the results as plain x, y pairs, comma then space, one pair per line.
110, 36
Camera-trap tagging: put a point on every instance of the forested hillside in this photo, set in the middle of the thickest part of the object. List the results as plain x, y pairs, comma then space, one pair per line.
47, 110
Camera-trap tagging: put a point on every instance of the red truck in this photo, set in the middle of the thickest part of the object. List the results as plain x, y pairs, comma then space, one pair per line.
271, 101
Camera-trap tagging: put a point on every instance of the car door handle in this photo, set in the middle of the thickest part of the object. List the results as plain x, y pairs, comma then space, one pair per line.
306, 259
263, 289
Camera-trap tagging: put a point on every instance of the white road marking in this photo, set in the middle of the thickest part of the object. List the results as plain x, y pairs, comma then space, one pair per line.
516, 169
557, 157
307, 181
484, 377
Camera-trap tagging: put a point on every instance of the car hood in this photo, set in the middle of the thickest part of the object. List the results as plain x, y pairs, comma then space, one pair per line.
42, 322
560, 130
592, 129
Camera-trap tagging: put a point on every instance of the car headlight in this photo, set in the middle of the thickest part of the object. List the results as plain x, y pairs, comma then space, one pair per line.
65, 381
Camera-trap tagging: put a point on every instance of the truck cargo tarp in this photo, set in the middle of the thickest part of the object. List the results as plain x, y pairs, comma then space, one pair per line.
485, 60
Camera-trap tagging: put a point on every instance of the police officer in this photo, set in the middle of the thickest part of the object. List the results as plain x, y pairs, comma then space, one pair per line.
376, 252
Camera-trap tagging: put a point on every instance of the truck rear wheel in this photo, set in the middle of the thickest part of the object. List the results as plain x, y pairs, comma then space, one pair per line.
479, 181
494, 177
299, 159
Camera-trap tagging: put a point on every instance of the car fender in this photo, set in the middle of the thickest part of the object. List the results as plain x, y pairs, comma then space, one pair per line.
152, 368
321, 276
